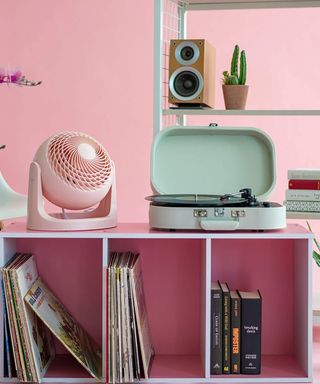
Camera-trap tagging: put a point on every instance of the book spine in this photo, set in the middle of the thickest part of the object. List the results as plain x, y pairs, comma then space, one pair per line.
216, 332
250, 336
304, 174
302, 194
303, 206
304, 184
235, 305
7, 365
226, 333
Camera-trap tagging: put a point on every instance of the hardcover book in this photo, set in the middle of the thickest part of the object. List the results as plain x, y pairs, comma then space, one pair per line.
302, 195
304, 184
235, 309
56, 317
302, 206
216, 329
225, 328
304, 174
250, 346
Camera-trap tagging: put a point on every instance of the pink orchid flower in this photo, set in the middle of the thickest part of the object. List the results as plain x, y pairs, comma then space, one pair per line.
14, 76
2, 75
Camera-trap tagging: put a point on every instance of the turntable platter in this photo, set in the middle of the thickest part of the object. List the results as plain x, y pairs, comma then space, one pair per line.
191, 200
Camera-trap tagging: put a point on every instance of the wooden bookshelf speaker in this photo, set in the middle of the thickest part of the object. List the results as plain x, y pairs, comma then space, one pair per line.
192, 73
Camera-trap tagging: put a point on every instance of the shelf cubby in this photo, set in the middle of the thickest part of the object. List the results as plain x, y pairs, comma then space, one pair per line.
172, 274
72, 268
278, 268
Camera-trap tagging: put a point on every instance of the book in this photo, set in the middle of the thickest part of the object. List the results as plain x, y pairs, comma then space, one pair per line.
250, 347
12, 319
302, 206
235, 310
216, 330
33, 344
304, 184
225, 328
304, 174
144, 334
303, 194
61, 323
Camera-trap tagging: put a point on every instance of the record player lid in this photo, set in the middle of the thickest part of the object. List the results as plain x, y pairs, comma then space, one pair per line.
212, 160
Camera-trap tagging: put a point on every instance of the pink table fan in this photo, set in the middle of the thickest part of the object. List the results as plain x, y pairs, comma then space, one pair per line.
73, 171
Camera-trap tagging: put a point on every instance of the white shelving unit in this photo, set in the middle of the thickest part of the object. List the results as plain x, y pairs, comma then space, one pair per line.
178, 269
171, 23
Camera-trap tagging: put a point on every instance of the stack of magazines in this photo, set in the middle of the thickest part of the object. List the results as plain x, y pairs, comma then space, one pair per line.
32, 314
130, 350
303, 193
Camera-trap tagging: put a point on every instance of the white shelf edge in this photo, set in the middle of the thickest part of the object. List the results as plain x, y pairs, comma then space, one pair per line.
244, 112
171, 235
241, 4
254, 379
57, 380
70, 380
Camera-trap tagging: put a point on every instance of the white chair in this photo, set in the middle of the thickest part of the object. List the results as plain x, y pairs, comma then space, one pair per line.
12, 204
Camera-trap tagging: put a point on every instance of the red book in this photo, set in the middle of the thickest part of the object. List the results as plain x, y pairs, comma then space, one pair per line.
304, 184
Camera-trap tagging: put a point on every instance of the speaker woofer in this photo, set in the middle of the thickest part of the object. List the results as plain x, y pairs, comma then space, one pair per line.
186, 83
187, 53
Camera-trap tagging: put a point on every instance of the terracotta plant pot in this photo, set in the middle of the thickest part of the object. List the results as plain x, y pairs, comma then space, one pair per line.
235, 96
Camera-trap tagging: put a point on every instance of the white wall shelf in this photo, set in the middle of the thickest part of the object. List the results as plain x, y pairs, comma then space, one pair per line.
237, 112
195, 5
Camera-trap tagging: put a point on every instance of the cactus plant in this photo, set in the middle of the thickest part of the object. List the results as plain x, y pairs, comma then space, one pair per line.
234, 61
236, 76
243, 68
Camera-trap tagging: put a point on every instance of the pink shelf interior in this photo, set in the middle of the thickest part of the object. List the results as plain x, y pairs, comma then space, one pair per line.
175, 366
267, 265
171, 273
72, 268
66, 366
280, 366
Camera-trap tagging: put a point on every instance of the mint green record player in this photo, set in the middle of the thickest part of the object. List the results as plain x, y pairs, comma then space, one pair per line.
213, 178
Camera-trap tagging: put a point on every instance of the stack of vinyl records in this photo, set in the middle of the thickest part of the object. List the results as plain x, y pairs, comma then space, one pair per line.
32, 315
303, 193
27, 339
130, 348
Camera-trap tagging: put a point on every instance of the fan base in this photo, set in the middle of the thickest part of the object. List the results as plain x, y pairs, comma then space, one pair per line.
102, 217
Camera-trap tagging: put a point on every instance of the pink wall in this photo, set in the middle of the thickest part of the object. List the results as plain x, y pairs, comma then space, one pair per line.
95, 59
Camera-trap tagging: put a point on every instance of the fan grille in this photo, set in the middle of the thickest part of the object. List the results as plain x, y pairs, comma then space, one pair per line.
67, 162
